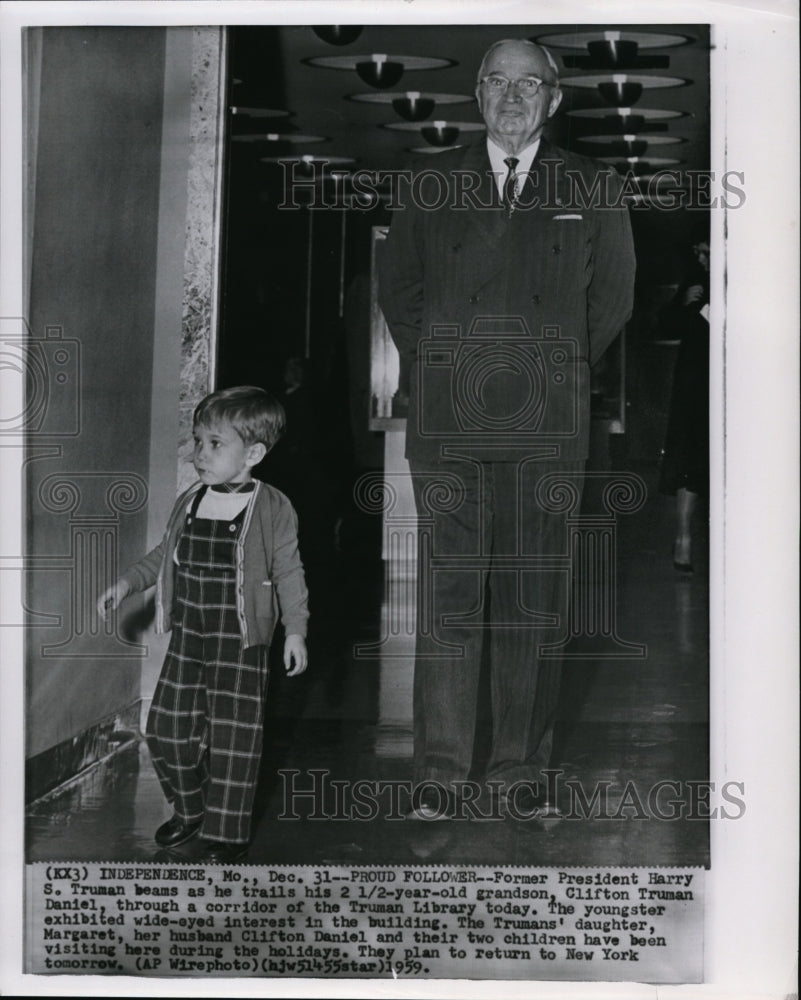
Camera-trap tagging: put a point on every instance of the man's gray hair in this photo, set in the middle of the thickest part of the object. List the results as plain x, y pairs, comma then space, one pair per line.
518, 41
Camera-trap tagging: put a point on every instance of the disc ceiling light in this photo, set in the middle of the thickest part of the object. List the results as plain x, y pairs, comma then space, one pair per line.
380, 70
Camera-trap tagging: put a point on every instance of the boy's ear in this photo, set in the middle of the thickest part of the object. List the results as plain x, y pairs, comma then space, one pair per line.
256, 453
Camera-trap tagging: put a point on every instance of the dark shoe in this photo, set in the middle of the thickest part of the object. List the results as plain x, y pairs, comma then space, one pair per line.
433, 804
527, 802
175, 832
218, 852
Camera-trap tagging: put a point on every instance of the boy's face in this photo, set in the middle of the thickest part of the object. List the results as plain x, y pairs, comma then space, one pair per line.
221, 456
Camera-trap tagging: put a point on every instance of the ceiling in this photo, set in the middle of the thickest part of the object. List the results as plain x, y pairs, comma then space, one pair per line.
272, 70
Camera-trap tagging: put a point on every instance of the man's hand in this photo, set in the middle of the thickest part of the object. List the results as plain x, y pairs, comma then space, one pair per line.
295, 656
111, 598
693, 294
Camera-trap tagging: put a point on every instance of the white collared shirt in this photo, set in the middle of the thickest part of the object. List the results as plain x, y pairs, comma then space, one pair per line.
524, 160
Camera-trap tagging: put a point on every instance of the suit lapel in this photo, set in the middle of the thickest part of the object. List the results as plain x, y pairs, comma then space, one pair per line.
545, 182
482, 228
481, 231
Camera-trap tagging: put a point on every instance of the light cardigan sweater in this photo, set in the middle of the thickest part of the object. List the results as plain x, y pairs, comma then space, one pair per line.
269, 574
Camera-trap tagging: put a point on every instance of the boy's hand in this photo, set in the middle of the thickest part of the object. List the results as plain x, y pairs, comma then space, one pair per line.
111, 599
295, 656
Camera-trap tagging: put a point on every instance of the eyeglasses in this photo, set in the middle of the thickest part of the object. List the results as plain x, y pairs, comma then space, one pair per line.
527, 86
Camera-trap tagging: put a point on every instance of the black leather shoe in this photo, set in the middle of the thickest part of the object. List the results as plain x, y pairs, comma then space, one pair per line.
175, 832
434, 804
527, 802
218, 852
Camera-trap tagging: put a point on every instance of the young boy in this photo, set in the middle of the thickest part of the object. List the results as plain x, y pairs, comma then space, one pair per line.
228, 561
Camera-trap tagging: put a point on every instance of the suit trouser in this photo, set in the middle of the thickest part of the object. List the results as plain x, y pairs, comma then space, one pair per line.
495, 601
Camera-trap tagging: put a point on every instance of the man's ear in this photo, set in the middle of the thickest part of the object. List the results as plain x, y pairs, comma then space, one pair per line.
256, 453
556, 100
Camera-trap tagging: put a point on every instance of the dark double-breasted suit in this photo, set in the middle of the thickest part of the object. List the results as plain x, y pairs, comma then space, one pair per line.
498, 316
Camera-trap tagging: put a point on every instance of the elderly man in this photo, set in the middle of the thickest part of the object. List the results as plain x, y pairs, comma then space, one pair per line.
505, 276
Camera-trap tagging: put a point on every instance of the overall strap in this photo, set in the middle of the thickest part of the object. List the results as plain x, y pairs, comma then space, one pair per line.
196, 500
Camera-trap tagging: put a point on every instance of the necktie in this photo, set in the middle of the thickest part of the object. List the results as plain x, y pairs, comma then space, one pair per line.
510, 184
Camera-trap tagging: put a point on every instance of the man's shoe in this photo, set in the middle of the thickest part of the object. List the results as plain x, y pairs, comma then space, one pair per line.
175, 832
433, 803
526, 802
221, 853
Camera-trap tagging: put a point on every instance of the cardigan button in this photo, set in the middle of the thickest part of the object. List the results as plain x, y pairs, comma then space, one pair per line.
232, 527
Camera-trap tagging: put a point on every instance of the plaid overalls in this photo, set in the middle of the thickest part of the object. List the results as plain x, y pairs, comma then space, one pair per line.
205, 726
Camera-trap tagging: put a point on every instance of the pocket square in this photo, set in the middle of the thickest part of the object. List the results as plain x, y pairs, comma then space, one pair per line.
560, 218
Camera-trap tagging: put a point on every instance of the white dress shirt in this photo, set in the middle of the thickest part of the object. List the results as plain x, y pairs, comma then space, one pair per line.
524, 160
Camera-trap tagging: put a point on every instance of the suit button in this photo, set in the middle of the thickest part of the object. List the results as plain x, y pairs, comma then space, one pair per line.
535, 299
456, 247
557, 249
473, 299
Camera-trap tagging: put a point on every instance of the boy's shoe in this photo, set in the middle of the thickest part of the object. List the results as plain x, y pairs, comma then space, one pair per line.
218, 852
175, 832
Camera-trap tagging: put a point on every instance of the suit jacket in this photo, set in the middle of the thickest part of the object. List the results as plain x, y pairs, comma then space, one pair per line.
500, 315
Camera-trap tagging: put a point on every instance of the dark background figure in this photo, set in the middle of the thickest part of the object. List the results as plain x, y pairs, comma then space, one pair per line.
311, 464
685, 460
302, 466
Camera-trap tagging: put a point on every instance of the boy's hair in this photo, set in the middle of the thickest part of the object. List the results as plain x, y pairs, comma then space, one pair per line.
254, 414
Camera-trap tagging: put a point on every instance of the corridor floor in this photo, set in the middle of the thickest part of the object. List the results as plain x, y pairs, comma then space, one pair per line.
626, 726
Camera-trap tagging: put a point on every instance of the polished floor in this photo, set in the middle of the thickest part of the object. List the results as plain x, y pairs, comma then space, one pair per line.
626, 726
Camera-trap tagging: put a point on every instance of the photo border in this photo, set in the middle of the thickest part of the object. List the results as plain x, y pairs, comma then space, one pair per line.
751, 919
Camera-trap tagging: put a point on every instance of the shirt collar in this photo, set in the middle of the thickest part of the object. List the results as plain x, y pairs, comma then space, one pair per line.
497, 155
247, 487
